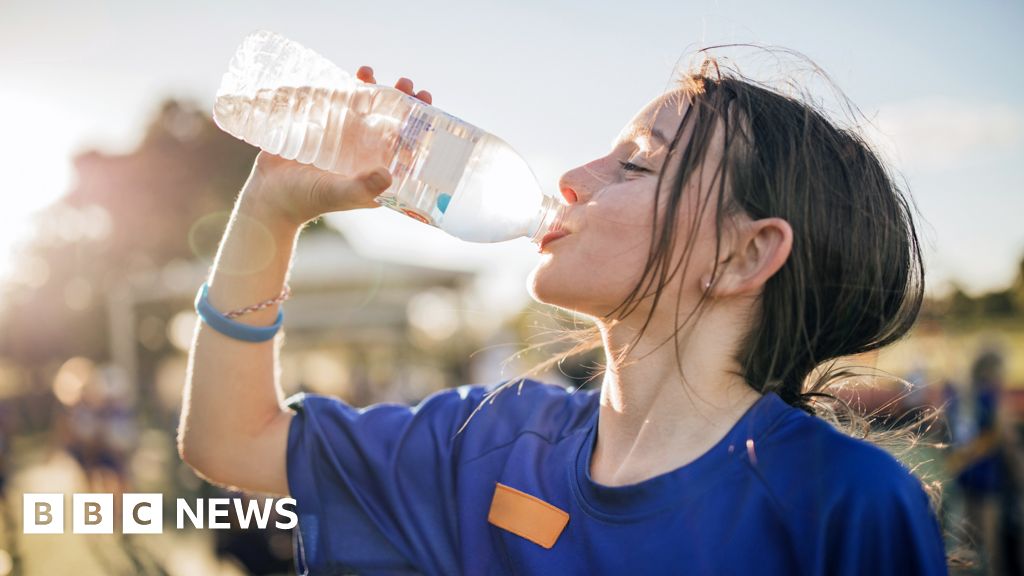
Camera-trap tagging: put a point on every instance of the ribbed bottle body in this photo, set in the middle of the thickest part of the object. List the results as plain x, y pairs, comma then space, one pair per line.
290, 101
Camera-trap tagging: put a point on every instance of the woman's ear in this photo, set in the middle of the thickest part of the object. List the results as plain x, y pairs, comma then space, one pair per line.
759, 249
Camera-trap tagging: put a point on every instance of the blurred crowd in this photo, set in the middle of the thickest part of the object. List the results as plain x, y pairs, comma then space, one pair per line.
987, 464
88, 435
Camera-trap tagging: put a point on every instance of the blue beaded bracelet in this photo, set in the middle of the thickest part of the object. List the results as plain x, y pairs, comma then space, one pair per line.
229, 327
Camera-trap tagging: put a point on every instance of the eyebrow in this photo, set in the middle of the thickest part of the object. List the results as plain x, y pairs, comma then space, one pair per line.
642, 132
658, 135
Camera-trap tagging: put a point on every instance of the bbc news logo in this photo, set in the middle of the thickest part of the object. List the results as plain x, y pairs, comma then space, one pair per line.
142, 513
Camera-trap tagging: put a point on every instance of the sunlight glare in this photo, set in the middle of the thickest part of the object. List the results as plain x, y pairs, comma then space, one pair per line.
35, 166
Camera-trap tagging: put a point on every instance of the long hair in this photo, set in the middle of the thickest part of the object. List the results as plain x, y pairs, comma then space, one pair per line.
854, 280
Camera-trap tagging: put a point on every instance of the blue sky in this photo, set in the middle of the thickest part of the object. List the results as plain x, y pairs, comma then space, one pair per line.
557, 80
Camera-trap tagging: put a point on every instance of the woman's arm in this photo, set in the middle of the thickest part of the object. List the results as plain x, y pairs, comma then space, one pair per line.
233, 428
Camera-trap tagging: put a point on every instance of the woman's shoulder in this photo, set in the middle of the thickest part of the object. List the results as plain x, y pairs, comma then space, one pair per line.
509, 408
806, 460
469, 420
480, 417
861, 510
521, 397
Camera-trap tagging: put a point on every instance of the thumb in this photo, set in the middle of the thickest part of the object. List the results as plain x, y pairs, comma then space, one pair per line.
349, 193
372, 182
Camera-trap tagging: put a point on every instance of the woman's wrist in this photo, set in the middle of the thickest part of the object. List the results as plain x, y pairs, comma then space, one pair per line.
254, 256
257, 202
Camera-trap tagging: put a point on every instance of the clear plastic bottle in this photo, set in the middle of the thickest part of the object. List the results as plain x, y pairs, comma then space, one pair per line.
290, 101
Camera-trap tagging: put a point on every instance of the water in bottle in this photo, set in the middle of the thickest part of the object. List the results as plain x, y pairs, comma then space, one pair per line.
290, 101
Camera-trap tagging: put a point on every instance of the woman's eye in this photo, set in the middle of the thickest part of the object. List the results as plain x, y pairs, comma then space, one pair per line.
630, 167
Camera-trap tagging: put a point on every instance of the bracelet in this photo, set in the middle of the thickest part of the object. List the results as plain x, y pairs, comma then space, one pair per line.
221, 323
286, 292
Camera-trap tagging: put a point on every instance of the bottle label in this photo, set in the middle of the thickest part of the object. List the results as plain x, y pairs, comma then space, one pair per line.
416, 126
409, 140
446, 161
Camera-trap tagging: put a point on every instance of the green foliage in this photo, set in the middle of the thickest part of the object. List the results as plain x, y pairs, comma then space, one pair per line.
994, 305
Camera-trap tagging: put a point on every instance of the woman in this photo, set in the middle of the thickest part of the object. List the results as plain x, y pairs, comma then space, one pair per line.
730, 243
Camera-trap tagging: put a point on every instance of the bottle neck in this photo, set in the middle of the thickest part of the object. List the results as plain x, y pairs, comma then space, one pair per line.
549, 218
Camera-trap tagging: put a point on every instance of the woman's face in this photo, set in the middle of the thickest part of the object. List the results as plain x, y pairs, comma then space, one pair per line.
593, 268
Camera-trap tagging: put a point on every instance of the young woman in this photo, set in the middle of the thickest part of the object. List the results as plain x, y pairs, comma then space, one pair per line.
732, 242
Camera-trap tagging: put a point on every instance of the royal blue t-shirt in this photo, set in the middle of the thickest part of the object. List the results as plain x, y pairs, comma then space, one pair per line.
391, 489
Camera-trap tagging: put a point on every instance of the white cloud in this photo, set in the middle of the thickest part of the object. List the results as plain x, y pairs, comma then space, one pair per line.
933, 133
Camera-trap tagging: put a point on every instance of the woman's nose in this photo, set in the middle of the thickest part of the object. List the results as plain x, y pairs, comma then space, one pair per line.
581, 183
572, 186
568, 193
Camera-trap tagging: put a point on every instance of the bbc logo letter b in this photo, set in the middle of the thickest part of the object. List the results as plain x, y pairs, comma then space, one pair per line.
92, 513
43, 513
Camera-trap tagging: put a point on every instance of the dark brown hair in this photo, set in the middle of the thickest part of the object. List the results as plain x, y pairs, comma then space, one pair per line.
854, 280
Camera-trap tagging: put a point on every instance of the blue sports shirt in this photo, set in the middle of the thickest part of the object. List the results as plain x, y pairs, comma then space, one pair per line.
392, 489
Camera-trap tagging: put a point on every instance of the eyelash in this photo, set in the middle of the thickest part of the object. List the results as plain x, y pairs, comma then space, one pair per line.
630, 167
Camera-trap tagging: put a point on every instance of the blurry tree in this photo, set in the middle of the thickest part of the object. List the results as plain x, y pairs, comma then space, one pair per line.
960, 304
990, 305
1017, 289
999, 304
184, 169
126, 214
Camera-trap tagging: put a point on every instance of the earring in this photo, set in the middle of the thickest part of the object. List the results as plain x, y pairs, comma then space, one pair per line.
707, 285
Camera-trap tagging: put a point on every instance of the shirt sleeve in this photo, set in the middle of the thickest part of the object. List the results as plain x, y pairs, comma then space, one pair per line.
374, 487
885, 527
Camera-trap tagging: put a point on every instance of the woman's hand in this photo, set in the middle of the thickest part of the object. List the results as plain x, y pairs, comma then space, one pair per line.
296, 193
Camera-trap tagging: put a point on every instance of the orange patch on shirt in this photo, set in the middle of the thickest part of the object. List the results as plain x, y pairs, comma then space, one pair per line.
527, 516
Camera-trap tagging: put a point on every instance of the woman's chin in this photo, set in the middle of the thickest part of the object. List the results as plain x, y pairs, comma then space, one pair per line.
546, 288
543, 288
532, 286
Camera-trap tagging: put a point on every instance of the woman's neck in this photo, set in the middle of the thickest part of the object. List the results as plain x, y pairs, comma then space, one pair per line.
653, 421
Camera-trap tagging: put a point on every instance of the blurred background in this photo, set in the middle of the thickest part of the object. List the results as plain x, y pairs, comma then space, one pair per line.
116, 187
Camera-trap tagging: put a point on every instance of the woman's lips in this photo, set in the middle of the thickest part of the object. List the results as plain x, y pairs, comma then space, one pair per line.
551, 237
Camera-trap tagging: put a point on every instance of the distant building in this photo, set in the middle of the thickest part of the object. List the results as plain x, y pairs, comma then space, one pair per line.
363, 329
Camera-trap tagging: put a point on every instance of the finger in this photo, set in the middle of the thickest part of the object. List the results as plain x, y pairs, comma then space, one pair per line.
405, 85
365, 73
425, 96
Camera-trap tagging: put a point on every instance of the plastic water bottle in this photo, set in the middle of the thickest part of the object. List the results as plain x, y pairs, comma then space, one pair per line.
290, 101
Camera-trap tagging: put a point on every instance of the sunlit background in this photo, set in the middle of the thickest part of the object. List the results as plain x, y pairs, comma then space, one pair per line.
115, 189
